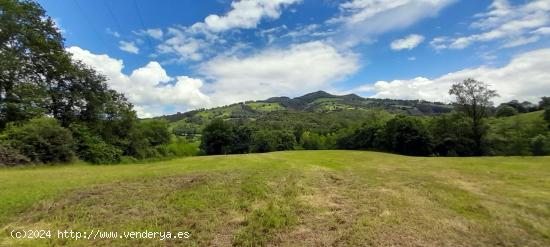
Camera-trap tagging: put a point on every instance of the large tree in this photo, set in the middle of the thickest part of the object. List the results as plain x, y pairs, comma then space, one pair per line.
473, 98
38, 76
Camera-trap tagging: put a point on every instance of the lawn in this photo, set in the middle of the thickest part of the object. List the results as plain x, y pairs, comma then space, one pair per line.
299, 198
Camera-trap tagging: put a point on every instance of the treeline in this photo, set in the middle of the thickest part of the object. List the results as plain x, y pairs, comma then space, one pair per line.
467, 131
54, 108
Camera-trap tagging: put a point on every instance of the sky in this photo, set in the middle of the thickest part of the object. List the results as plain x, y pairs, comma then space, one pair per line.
171, 56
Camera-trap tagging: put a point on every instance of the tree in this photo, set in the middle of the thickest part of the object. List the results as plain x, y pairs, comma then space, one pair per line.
242, 141
39, 77
452, 135
263, 141
544, 103
155, 131
217, 137
311, 141
366, 137
29, 43
473, 98
407, 135
506, 111
284, 140
540, 145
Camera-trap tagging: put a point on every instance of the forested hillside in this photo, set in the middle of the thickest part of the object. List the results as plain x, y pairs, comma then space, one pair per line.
320, 102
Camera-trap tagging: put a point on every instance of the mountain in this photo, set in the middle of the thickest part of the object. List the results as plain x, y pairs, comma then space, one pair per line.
318, 102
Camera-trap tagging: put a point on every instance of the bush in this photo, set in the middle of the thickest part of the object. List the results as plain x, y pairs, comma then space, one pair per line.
366, 137
11, 157
540, 145
506, 111
407, 135
284, 140
41, 140
274, 140
312, 141
263, 141
92, 148
181, 148
148, 139
155, 131
102, 153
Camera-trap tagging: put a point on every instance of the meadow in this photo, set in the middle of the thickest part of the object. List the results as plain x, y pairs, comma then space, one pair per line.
294, 198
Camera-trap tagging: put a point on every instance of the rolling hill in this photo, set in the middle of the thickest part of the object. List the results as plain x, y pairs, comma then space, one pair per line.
317, 102
298, 198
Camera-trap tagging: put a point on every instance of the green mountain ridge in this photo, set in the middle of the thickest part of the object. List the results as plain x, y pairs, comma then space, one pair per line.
318, 102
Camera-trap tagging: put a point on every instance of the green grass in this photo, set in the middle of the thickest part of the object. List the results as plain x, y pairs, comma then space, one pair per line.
265, 107
301, 198
532, 123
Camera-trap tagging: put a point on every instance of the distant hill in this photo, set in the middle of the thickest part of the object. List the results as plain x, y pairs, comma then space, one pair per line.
318, 102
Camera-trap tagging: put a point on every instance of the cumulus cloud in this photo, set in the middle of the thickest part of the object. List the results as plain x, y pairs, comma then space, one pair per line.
290, 71
512, 25
184, 46
525, 77
244, 14
205, 39
408, 42
149, 87
155, 33
361, 19
129, 47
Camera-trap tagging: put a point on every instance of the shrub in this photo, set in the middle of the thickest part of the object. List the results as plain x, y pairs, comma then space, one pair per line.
41, 140
181, 148
407, 135
263, 141
92, 148
155, 131
311, 141
540, 145
506, 111
11, 157
284, 140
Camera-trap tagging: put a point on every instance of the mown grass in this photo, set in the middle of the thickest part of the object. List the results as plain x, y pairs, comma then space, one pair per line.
301, 198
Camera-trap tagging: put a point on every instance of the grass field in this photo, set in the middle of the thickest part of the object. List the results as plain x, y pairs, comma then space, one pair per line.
300, 198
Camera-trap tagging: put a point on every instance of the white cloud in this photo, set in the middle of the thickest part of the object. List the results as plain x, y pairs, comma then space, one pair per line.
183, 45
408, 42
148, 87
525, 77
204, 39
155, 33
512, 25
290, 71
128, 47
361, 19
113, 33
244, 14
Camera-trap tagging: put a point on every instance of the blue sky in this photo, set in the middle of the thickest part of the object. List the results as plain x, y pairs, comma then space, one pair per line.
177, 55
